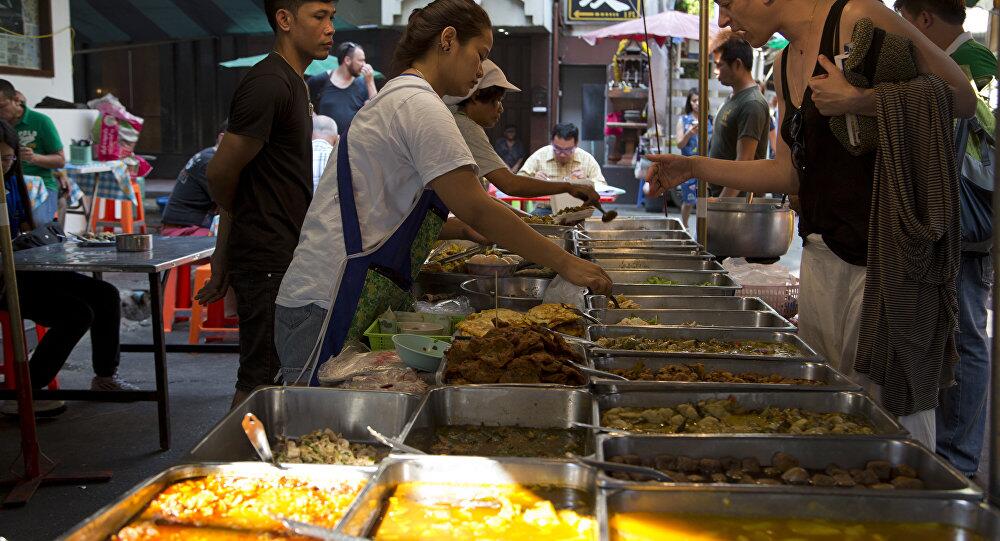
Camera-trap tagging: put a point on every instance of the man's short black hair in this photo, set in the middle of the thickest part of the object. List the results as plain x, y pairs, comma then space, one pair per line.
950, 11
734, 49
566, 130
484, 95
271, 8
7, 89
344, 49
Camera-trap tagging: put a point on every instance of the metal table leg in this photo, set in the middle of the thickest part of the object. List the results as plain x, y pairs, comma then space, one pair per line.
160, 361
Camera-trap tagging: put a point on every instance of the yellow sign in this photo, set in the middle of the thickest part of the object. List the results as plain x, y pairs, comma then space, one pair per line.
603, 10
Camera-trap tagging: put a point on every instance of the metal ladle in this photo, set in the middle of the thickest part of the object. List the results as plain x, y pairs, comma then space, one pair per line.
606, 216
255, 432
399, 446
311, 530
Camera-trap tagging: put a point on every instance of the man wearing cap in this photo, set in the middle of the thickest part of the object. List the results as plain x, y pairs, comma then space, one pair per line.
481, 109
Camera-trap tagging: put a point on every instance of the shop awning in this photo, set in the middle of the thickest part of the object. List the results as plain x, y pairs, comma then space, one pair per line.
668, 24
316, 67
137, 21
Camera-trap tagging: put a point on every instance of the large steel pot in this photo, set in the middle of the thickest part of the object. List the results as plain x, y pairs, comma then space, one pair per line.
761, 229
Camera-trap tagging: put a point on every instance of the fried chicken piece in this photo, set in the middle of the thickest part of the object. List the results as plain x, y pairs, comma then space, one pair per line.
521, 370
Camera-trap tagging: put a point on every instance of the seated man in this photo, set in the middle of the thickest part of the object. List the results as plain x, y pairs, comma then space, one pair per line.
41, 148
563, 161
324, 138
481, 109
190, 210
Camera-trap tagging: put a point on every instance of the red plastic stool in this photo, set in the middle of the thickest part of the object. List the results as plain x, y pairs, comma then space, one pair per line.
216, 320
8, 352
131, 216
177, 297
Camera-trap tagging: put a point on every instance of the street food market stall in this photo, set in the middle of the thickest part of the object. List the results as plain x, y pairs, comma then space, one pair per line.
677, 409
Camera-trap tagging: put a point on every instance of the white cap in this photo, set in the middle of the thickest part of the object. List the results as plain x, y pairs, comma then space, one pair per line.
492, 76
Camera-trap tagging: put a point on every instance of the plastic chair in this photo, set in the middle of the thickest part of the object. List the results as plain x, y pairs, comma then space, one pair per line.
216, 320
131, 216
177, 297
7, 368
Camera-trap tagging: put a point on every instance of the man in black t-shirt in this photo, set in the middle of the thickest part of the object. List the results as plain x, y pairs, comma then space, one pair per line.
261, 177
190, 209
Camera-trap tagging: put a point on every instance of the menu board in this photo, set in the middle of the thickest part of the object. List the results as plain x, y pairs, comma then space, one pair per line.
602, 10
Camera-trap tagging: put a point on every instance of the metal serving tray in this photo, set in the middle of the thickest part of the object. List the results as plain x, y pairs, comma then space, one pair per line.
439, 283
552, 230
614, 331
940, 479
366, 511
830, 378
689, 283
681, 302
716, 319
665, 245
580, 349
502, 406
296, 411
664, 252
643, 235
976, 517
627, 223
698, 265
852, 403
116, 515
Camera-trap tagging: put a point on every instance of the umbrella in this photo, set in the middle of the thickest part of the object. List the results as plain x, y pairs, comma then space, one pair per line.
668, 24
315, 68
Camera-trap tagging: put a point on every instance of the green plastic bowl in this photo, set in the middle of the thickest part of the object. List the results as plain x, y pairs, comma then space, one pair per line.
420, 352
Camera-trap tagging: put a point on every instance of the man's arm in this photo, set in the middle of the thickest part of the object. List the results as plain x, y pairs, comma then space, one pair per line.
234, 153
56, 160
524, 186
746, 150
368, 72
218, 284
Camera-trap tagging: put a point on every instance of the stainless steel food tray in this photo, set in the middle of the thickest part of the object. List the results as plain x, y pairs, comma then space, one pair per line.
362, 516
940, 479
682, 302
116, 515
682, 277
643, 235
687, 264
830, 378
684, 251
579, 348
502, 406
688, 283
595, 332
976, 517
628, 223
852, 403
716, 319
439, 283
295, 411
583, 245
552, 230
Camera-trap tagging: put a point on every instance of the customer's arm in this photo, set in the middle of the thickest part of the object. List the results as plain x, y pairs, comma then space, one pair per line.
234, 153
56, 160
834, 96
746, 150
218, 284
461, 192
777, 175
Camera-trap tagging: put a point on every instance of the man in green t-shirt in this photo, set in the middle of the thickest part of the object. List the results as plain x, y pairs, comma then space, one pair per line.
961, 413
41, 148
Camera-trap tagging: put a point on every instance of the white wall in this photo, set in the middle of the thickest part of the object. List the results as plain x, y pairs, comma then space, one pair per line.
60, 86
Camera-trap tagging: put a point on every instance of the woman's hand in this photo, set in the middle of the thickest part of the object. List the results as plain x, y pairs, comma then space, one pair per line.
835, 96
667, 171
586, 274
587, 194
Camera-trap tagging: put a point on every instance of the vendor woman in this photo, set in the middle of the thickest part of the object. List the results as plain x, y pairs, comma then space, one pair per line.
400, 168
481, 109
836, 187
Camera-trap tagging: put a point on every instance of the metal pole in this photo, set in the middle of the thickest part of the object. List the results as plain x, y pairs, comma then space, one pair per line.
994, 424
702, 210
22, 381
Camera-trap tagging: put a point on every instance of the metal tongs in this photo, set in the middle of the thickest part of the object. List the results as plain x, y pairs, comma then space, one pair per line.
311, 530
626, 468
255, 432
397, 445
463, 255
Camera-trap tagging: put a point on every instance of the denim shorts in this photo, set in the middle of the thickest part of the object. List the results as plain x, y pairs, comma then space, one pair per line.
296, 334
689, 191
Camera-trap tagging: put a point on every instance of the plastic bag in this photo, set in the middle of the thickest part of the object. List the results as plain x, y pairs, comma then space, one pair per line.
459, 306
358, 368
561, 291
113, 127
759, 275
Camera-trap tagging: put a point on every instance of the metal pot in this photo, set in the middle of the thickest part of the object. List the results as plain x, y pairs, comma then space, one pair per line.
519, 294
761, 229
134, 243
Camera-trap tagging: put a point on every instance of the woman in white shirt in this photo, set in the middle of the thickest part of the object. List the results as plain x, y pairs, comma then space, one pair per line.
400, 167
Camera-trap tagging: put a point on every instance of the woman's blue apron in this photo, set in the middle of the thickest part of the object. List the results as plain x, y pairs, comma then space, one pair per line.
376, 280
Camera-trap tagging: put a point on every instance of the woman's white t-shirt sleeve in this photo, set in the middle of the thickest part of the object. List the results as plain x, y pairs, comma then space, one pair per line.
427, 132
